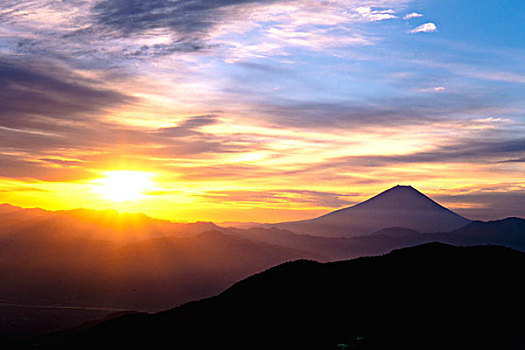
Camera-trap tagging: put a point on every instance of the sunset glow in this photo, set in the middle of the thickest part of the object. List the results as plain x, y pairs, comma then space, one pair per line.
260, 110
176, 156
123, 185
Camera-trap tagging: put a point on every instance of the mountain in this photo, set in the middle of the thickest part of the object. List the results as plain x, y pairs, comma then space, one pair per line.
59, 269
63, 267
399, 206
432, 296
335, 248
148, 275
508, 232
107, 225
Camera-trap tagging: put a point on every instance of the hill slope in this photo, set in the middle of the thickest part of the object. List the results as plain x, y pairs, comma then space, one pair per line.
431, 296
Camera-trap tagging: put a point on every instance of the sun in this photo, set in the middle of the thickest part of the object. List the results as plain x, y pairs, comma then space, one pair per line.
124, 185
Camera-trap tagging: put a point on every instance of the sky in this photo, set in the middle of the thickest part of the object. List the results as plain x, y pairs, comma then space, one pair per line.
261, 110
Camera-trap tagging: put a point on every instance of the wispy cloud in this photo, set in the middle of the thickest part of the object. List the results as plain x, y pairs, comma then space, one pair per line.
487, 202
35, 90
190, 21
412, 15
425, 28
477, 72
108, 33
466, 151
492, 120
375, 15
287, 196
433, 89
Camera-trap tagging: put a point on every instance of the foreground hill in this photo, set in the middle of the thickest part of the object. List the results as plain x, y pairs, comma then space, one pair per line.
399, 206
432, 296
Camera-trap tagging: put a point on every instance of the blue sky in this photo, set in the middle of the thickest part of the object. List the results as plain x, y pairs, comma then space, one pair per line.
261, 110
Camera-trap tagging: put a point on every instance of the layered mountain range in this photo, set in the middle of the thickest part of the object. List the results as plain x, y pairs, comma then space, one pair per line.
59, 269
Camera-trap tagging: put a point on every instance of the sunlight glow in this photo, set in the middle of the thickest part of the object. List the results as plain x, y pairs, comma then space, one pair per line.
124, 185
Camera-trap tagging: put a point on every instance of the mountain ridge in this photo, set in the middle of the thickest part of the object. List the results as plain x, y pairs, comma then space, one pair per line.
369, 303
92, 263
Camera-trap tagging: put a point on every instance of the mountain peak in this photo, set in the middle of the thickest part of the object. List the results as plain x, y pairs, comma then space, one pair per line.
399, 206
402, 206
401, 197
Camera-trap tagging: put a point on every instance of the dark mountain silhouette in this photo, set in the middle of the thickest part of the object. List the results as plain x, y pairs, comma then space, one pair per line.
508, 232
399, 206
432, 296
335, 248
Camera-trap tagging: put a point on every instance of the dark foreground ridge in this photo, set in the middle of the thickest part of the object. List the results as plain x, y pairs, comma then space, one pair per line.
433, 296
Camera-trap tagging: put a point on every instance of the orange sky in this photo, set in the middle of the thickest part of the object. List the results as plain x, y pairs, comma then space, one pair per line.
258, 111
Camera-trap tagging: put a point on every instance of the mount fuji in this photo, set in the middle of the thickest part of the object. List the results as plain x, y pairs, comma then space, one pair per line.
399, 206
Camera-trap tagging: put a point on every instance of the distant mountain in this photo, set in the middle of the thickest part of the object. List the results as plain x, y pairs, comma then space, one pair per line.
508, 232
92, 224
326, 248
148, 275
336, 248
399, 206
432, 296
54, 264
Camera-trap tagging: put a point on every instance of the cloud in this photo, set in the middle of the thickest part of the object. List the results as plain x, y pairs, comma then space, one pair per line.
75, 151
514, 160
486, 203
433, 89
50, 112
189, 126
467, 151
20, 188
286, 196
477, 72
111, 33
412, 15
425, 28
31, 90
191, 21
492, 120
15, 167
375, 15
53, 121
373, 112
